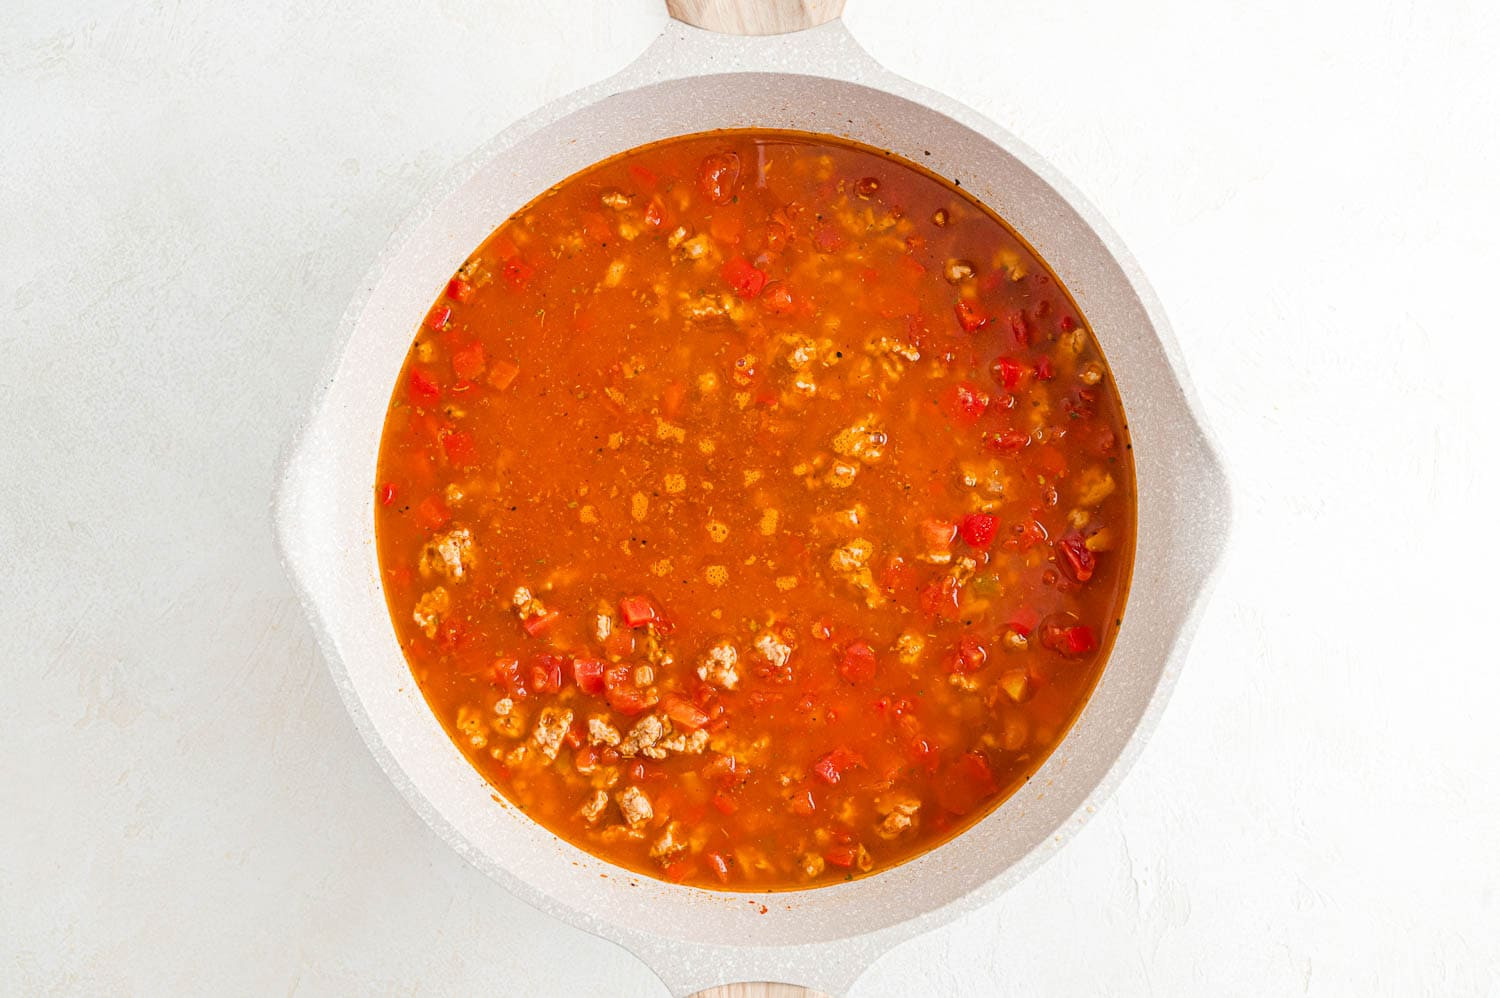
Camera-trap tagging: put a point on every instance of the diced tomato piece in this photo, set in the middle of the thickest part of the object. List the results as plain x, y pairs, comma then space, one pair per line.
968, 657
724, 804
517, 271
541, 623
719, 176
628, 702
1079, 639
432, 513
1067, 323
1077, 560
1024, 620
1044, 369
683, 712
644, 178
978, 529
803, 804
832, 767
937, 535
940, 599
459, 446
1007, 441
506, 674
1020, 329
468, 360
970, 319
1081, 404
1067, 638
502, 373
840, 856
460, 290
655, 213
386, 493
1029, 535
421, 387
924, 753
858, 662
964, 783
588, 673
438, 317
719, 865
1051, 460
619, 644
965, 403
778, 235
621, 693
637, 611
827, 237
1007, 372
596, 227
546, 673
778, 299
897, 576
744, 277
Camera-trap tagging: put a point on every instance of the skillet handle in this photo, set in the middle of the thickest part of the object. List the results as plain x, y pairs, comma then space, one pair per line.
755, 17
748, 990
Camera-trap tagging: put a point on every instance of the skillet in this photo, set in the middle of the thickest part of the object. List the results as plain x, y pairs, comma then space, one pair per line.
770, 64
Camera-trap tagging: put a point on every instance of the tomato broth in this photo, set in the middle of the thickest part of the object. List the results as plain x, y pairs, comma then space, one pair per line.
755, 510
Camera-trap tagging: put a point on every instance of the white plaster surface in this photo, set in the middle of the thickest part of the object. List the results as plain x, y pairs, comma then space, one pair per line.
190, 194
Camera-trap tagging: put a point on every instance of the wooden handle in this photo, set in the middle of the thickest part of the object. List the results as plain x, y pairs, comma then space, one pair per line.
759, 991
755, 17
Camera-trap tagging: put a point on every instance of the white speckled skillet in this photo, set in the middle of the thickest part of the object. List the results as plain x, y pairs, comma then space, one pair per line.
690, 80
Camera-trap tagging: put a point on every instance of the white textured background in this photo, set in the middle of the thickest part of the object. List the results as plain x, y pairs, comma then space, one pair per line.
189, 193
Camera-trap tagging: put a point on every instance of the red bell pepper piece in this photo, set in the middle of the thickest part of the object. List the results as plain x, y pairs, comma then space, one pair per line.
1077, 560
965, 403
978, 529
541, 622
683, 712
832, 767
1008, 372
637, 611
468, 361
421, 387
858, 662
432, 513
460, 290
744, 277
588, 673
970, 319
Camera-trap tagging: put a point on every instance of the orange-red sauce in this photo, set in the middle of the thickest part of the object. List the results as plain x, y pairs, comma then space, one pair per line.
755, 510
